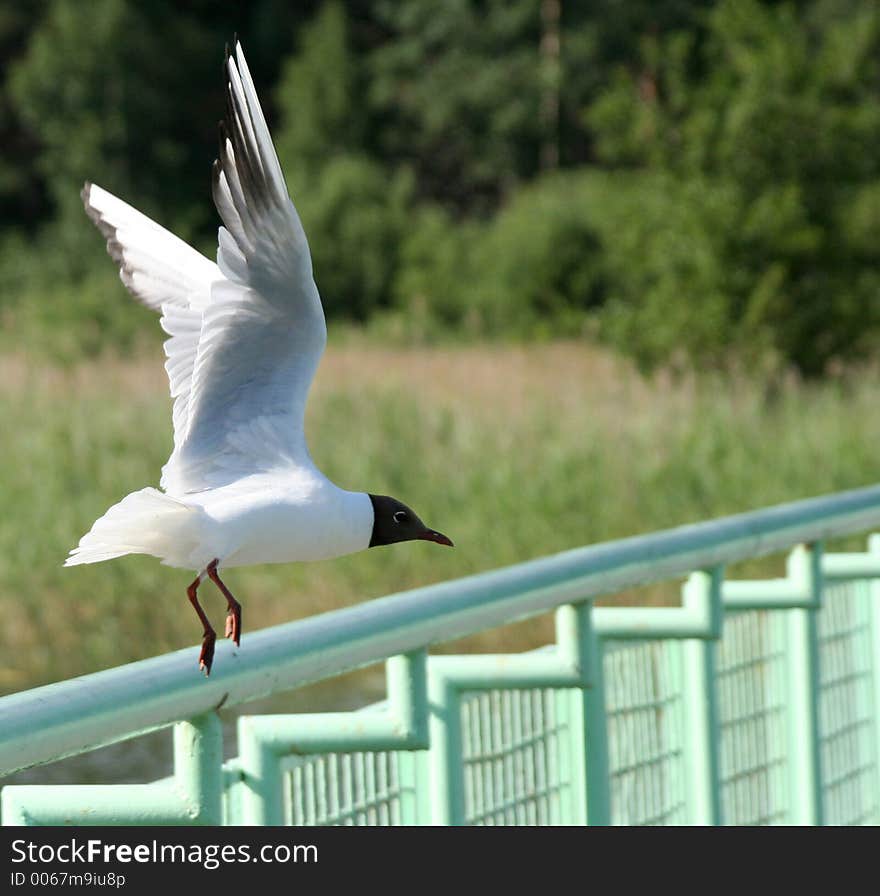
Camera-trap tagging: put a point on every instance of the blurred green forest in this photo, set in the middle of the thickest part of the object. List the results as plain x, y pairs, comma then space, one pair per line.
688, 181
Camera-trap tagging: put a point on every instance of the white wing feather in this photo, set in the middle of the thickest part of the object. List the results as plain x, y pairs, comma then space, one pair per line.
157, 267
165, 274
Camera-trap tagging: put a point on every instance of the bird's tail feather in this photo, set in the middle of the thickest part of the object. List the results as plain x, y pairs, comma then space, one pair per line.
144, 522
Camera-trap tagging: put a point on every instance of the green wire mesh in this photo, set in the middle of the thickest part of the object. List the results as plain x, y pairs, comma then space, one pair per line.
752, 718
846, 698
511, 749
643, 702
346, 789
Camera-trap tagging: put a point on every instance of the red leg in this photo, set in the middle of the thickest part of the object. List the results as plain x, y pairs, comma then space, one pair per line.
206, 657
233, 607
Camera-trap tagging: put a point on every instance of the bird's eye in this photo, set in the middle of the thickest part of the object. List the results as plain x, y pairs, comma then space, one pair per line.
400, 516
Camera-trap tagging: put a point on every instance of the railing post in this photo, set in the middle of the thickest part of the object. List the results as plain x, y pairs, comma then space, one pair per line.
587, 719
445, 756
701, 731
407, 687
874, 648
198, 767
263, 779
804, 747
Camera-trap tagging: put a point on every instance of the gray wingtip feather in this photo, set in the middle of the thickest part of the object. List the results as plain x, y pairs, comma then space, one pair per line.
114, 247
236, 128
107, 230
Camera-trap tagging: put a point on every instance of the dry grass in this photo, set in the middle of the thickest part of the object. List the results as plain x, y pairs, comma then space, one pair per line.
515, 451
497, 377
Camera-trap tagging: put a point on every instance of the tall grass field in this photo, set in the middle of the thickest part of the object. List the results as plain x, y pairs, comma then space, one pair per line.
515, 452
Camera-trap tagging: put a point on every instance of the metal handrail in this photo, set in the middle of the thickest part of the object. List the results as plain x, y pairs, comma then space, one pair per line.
105, 707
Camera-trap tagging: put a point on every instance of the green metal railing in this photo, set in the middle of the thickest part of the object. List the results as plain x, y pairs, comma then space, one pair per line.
753, 702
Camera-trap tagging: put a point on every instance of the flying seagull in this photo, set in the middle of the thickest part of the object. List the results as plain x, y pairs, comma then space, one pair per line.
245, 337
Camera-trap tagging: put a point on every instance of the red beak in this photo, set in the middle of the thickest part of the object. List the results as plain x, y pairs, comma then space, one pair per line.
436, 537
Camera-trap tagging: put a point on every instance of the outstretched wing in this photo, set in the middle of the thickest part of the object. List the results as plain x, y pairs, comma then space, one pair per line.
164, 273
263, 330
157, 267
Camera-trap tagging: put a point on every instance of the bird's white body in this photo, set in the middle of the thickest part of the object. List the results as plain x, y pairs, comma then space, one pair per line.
252, 520
245, 337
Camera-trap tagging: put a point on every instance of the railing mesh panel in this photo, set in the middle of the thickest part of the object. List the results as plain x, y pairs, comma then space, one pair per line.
517, 744
643, 702
752, 718
846, 701
512, 742
346, 789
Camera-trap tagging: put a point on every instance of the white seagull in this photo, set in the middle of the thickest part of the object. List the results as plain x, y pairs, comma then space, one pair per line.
245, 338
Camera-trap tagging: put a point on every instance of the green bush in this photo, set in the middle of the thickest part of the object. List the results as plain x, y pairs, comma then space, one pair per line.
770, 177
535, 269
538, 267
355, 217
432, 288
627, 256
664, 271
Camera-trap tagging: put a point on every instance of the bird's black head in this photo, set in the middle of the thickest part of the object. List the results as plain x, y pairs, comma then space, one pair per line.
394, 521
